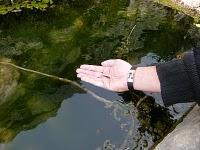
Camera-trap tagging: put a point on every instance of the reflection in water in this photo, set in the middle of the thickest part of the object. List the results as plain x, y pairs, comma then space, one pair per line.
39, 113
2, 147
72, 129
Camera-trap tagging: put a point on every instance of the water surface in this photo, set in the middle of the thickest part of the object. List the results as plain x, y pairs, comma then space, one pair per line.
42, 113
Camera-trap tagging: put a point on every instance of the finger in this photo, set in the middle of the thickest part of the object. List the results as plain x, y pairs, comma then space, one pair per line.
88, 72
79, 75
92, 68
82, 75
103, 82
97, 81
108, 63
106, 72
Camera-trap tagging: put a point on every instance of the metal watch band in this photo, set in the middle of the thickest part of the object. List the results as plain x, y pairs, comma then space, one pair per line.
131, 75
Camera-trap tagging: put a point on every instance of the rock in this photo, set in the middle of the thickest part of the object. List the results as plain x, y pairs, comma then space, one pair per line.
8, 80
194, 4
189, 7
186, 136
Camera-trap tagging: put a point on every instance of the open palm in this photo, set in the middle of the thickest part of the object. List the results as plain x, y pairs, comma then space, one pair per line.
111, 75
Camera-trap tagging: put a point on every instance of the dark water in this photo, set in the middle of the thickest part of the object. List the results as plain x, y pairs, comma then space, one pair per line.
42, 113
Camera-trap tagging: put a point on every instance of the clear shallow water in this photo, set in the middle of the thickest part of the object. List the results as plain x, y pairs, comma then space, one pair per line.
45, 114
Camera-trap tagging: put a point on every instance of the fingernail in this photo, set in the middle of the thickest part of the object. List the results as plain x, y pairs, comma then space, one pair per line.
78, 75
77, 70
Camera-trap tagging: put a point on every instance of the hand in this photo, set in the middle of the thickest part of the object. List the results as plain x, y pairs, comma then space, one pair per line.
111, 75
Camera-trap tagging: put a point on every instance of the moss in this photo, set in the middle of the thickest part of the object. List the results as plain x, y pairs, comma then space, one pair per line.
18, 6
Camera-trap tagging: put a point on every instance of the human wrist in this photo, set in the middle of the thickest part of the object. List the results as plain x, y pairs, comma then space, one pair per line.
146, 79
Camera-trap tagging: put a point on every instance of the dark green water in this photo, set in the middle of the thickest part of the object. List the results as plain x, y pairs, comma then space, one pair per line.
44, 114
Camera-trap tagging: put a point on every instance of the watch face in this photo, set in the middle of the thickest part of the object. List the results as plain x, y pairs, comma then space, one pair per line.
131, 74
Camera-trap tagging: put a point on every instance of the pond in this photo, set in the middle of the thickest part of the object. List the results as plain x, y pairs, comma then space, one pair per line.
37, 112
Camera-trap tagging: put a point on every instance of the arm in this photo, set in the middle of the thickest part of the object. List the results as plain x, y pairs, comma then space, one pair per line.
146, 79
178, 80
113, 75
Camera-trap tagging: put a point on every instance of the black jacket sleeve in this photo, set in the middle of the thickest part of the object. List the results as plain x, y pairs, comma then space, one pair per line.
180, 79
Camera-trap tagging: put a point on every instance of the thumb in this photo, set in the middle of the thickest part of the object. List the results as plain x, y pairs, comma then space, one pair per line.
108, 63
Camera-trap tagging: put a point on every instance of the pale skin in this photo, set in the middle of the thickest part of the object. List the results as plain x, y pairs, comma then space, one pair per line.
112, 75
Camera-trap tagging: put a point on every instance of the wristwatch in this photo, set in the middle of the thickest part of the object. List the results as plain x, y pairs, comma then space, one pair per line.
131, 76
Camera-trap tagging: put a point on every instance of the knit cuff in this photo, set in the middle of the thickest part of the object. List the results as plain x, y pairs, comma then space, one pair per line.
192, 71
197, 58
176, 86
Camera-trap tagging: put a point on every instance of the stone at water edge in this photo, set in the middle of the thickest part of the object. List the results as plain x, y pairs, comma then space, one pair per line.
193, 4
188, 7
186, 136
